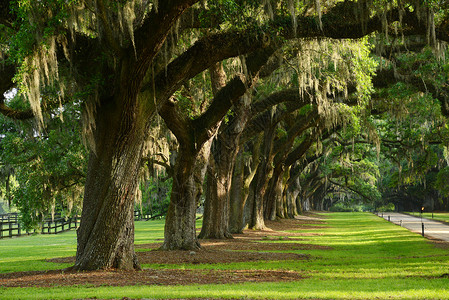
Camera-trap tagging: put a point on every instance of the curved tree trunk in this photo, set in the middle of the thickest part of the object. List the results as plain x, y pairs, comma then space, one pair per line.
106, 233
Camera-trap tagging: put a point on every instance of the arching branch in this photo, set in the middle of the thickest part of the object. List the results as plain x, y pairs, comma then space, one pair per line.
351, 189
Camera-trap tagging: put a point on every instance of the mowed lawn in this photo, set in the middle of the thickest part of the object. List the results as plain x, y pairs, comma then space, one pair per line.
438, 216
369, 258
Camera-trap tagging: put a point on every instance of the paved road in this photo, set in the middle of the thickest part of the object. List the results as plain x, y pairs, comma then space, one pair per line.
432, 228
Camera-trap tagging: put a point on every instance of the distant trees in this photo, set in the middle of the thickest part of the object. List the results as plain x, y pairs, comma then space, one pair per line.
44, 173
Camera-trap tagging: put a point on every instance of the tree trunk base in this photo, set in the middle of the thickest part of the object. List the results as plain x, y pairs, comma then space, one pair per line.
187, 247
216, 236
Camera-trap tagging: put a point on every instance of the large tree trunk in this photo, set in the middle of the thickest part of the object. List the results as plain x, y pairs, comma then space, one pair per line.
241, 191
290, 193
237, 196
180, 223
221, 164
273, 198
263, 175
180, 229
106, 233
216, 207
257, 219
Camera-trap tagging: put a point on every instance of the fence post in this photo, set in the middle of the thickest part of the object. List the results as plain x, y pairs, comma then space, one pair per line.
18, 229
10, 229
49, 227
1, 229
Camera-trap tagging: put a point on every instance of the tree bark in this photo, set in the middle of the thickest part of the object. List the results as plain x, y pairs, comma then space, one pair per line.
180, 229
242, 190
223, 155
263, 174
291, 194
237, 196
216, 207
273, 201
121, 118
106, 233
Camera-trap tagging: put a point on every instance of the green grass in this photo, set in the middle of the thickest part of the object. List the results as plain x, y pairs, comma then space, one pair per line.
413, 288
370, 258
436, 216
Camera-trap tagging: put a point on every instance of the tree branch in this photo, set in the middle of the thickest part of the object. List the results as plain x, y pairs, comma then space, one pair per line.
388, 77
176, 122
164, 164
339, 23
351, 189
150, 37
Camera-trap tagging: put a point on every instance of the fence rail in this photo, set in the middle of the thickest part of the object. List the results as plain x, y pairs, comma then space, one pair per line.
10, 226
146, 217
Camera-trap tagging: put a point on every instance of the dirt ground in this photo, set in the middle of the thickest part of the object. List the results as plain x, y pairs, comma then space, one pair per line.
250, 246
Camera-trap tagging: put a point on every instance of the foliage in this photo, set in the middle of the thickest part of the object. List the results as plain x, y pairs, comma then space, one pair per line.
156, 193
49, 167
3, 207
413, 133
387, 207
441, 183
349, 207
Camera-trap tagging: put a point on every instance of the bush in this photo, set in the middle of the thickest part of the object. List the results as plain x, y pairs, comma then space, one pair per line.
350, 207
387, 207
346, 207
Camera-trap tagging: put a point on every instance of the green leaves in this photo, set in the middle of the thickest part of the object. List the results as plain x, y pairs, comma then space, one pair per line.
49, 167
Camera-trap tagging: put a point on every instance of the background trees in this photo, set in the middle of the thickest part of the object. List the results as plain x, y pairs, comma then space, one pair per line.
279, 99
44, 173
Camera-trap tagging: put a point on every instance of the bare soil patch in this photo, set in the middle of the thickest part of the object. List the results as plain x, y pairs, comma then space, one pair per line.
247, 247
145, 277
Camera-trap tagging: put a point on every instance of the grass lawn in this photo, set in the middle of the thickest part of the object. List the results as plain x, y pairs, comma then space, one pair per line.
436, 216
370, 258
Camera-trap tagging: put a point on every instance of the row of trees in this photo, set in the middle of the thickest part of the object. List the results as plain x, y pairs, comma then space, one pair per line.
264, 107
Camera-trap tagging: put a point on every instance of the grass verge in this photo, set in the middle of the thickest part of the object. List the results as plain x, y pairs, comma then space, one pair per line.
438, 216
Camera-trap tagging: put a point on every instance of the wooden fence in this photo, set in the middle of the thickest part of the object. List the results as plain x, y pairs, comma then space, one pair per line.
146, 217
10, 225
